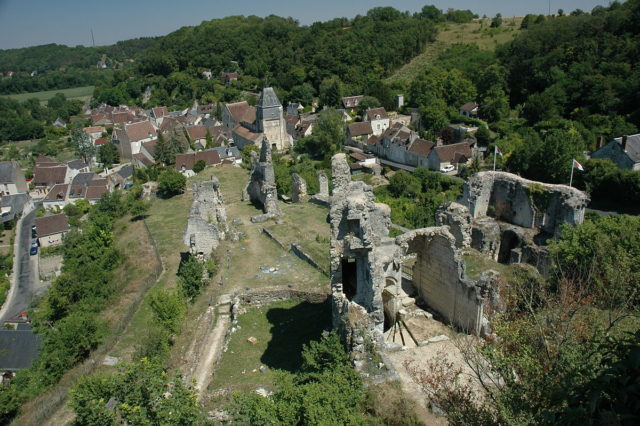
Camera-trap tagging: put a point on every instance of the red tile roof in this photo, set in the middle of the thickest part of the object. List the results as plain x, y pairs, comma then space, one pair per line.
160, 111
197, 132
58, 192
139, 131
49, 175
421, 147
373, 112
362, 128
95, 192
453, 153
49, 225
209, 156
242, 111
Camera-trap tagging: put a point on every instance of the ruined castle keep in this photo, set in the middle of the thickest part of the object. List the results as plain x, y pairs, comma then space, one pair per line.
207, 220
499, 214
261, 189
509, 218
366, 265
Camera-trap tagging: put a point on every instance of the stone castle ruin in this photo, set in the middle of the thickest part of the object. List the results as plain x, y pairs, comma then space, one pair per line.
298, 188
207, 220
372, 274
261, 189
509, 218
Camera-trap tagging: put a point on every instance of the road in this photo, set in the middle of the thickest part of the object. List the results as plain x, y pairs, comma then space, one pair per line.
26, 269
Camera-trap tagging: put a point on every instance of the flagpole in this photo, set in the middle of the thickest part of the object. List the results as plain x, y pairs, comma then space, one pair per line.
495, 154
572, 166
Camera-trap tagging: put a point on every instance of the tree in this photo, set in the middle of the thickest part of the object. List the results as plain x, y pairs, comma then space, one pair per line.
84, 145
434, 116
483, 136
190, 273
108, 154
209, 139
171, 182
199, 166
366, 103
497, 21
331, 92
168, 308
432, 13
495, 105
327, 137
403, 184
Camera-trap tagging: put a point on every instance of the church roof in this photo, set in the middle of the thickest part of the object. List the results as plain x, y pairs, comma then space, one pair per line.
268, 98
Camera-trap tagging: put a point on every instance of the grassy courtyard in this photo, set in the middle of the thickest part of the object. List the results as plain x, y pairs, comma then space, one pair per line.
280, 330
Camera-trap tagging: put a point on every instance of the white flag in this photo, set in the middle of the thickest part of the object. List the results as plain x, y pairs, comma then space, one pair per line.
497, 150
578, 165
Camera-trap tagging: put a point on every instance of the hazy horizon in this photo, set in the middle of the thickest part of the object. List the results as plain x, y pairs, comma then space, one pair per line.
25, 23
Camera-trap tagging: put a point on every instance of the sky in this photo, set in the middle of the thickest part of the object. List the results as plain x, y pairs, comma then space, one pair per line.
34, 22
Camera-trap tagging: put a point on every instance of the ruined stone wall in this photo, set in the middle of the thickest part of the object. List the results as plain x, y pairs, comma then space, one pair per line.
522, 202
298, 188
207, 220
323, 181
439, 277
261, 188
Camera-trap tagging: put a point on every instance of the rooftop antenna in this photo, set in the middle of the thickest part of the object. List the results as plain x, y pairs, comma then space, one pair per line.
93, 41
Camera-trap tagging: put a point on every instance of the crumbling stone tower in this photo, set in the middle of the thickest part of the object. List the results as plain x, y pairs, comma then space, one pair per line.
362, 255
261, 188
207, 221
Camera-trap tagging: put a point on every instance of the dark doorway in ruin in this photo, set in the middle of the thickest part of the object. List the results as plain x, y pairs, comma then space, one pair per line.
508, 242
349, 277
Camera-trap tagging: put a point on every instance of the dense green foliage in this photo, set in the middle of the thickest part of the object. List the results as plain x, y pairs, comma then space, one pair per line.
61, 67
171, 182
611, 188
190, 273
414, 198
68, 318
28, 120
327, 137
142, 393
326, 390
600, 255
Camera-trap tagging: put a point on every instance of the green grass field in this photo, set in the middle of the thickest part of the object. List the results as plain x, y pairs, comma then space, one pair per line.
477, 32
280, 329
81, 93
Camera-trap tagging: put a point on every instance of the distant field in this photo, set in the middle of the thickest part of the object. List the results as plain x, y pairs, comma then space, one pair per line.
81, 93
477, 32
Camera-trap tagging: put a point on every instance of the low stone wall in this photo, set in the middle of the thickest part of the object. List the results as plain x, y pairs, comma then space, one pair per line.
276, 294
274, 238
297, 250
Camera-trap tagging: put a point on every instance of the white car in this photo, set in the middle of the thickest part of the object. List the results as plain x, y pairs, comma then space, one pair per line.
447, 169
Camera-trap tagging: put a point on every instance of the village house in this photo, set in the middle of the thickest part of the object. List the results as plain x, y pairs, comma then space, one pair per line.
379, 120
453, 154
46, 174
19, 348
94, 132
228, 77
51, 229
198, 136
229, 154
85, 185
350, 103
56, 198
402, 146
294, 108
12, 206
470, 109
186, 161
358, 133
130, 139
158, 114
59, 123
12, 179
122, 179
624, 152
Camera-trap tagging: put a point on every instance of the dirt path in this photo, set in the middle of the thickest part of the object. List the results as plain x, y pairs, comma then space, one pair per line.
212, 352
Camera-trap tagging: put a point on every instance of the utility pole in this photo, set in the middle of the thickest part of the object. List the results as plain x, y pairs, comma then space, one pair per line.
549, 7
93, 41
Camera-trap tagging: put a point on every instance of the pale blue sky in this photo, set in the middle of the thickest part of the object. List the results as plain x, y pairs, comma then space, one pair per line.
34, 22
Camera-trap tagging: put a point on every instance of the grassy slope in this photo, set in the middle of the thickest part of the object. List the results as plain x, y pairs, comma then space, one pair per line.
476, 32
82, 93
134, 276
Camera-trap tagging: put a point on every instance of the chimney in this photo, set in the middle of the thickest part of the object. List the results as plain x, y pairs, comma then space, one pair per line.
624, 142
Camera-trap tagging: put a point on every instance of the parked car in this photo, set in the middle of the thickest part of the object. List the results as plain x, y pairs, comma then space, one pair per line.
34, 243
447, 169
33, 251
